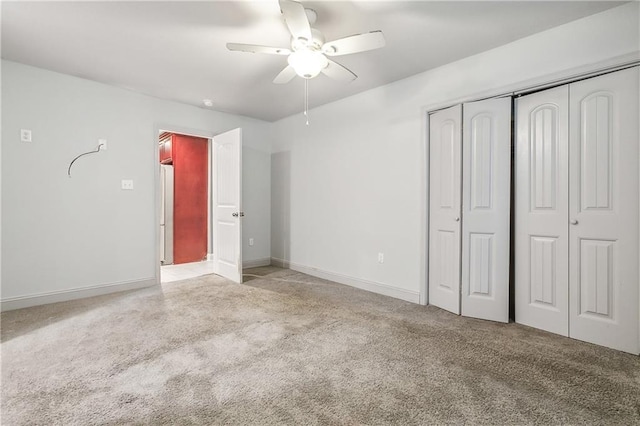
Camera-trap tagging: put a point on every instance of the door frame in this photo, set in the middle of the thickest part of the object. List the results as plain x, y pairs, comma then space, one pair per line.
158, 128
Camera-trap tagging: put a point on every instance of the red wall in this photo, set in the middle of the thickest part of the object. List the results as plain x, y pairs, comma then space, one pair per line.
190, 167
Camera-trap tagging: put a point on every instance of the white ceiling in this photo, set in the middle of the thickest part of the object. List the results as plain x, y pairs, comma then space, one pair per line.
176, 50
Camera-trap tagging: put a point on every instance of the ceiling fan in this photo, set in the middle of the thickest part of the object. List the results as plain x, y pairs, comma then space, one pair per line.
307, 56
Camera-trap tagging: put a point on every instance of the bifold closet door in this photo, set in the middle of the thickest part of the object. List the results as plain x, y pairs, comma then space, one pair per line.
444, 208
577, 210
486, 193
603, 210
541, 210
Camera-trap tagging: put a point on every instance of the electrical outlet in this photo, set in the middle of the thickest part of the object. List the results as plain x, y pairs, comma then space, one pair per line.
380, 257
103, 144
25, 135
250, 241
127, 184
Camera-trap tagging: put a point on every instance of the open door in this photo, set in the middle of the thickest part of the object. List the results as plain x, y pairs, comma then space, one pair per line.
445, 146
542, 210
486, 189
227, 205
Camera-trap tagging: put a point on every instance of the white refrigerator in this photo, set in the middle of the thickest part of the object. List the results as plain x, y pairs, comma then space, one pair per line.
166, 214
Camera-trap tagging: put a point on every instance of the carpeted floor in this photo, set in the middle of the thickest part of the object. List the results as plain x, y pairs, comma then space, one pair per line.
207, 351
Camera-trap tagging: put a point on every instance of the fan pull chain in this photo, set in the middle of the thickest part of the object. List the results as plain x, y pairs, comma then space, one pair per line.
306, 99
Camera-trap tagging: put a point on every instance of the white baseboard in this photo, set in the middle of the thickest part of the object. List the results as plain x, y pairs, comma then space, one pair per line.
372, 286
256, 263
12, 303
249, 263
280, 263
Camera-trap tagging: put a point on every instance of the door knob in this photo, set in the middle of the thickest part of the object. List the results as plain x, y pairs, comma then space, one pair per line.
574, 222
457, 219
234, 214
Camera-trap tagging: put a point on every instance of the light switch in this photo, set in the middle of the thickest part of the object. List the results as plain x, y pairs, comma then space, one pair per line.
25, 135
127, 184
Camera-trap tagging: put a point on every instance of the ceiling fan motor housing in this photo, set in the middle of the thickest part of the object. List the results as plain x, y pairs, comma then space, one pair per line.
316, 42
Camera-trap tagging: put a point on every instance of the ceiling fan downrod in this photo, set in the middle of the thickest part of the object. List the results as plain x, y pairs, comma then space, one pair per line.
306, 99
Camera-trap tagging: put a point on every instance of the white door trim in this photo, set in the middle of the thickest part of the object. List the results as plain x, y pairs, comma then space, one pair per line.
424, 196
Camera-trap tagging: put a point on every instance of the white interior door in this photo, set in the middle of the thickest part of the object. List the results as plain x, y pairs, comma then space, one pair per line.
444, 208
603, 212
227, 205
486, 201
541, 211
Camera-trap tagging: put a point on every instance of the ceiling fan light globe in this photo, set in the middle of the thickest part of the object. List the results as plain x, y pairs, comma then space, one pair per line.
307, 63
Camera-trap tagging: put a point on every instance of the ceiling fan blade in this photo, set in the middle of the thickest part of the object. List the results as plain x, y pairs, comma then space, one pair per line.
296, 19
338, 72
285, 75
354, 44
254, 48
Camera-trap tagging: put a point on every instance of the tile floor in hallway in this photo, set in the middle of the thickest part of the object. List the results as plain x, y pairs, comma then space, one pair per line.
183, 271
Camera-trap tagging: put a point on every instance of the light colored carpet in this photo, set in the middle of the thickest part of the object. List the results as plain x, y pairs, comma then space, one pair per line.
207, 351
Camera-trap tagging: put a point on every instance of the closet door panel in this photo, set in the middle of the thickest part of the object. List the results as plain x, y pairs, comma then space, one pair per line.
603, 212
486, 187
541, 210
444, 208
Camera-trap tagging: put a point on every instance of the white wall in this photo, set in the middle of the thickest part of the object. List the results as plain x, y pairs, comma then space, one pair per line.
345, 188
62, 234
352, 183
256, 202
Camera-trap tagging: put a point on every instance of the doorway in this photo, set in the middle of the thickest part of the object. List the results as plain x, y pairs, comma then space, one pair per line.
184, 213
199, 204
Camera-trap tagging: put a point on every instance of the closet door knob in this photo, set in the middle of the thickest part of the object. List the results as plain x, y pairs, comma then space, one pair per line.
457, 219
574, 222
234, 214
